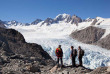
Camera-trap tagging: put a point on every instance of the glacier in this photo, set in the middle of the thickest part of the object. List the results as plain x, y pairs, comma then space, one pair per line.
49, 37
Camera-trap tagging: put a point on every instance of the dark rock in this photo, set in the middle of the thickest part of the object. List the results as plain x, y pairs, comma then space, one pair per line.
16, 57
2, 24
14, 43
88, 35
34, 69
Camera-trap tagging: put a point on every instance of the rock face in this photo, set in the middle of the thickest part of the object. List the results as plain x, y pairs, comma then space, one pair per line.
94, 22
76, 20
92, 35
105, 42
36, 21
88, 35
16, 54
16, 43
48, 21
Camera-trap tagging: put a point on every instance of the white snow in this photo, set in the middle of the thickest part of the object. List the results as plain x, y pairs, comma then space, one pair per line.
49, 37
63, 15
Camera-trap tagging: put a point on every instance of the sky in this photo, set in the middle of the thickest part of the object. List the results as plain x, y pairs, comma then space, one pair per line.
26, 11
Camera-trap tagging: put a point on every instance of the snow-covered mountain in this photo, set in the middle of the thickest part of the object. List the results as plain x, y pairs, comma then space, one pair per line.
36, 21
65, 18
52, 32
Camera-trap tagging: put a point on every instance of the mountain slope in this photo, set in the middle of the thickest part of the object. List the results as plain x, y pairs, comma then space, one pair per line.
88, 35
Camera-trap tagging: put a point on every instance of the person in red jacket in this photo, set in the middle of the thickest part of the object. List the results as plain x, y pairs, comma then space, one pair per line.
59, 54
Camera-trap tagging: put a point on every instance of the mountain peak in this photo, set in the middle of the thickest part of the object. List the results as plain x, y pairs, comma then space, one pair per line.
48, 21
36, 21
76, 20
63, 17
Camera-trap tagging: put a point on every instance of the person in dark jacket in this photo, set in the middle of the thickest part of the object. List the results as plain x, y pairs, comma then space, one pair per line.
73, 56
80, 55
59, 54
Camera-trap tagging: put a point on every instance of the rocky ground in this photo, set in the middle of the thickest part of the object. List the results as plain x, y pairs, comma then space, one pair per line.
78, 70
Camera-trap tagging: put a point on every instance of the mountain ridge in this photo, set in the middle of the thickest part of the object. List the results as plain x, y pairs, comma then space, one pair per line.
61, 17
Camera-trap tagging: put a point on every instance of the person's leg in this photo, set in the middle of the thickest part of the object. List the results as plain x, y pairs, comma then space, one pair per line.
74, 61
61, 61
80, 61
57, 61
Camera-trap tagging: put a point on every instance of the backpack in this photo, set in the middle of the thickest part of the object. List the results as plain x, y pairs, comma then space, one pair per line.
58, 51
74, 52
82, 52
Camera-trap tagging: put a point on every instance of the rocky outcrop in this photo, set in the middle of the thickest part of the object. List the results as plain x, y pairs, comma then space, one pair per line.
69, 70
48, 21
15, 41
94, 22
104, 42
88, 35
36, 21
76, 20
16, 54
79, 70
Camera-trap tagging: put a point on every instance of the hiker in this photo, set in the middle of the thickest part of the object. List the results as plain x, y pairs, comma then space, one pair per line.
59, 54
73, 56
80, 55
